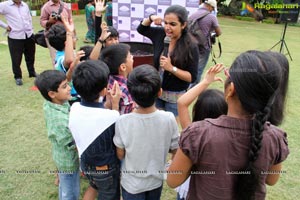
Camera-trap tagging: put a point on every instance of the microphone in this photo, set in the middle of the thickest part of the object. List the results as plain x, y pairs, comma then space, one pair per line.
166, 46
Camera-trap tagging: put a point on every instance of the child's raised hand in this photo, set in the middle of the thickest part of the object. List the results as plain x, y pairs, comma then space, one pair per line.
76, 61
103, 25
211, 73
99, 7
79, 54
105, 34
114, 95
116, 92
69, 25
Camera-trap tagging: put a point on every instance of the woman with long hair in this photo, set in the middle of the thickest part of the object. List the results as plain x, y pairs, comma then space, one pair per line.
180, 54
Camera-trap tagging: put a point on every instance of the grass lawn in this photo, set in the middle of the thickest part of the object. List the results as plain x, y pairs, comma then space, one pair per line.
25, 159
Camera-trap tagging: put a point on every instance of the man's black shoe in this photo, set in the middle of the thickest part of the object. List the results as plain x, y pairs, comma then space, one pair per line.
19, 81
33, 75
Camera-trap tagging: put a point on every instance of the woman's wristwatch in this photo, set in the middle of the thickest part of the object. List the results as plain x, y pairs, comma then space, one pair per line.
150, 18
174, 69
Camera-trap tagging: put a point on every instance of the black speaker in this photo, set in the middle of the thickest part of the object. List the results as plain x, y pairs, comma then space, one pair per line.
290, 12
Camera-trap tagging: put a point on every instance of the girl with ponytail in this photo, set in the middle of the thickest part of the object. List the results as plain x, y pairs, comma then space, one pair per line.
235, 155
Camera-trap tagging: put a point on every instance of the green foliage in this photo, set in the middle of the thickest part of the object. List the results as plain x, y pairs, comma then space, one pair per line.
234, 9
269, 21
227, 10
293, 24
35, 4
244, 18
38, 4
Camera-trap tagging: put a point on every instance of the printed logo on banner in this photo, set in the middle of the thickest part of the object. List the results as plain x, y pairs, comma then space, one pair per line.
136, 10
135, 22
150, 9
124, 10
124, 23
164, 2
124, 36
192, 3
135, 36
161, 10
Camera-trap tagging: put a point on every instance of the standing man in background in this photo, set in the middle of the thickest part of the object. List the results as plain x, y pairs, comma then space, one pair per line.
20, 36
50, 14
209, 23
108, 13
90, 21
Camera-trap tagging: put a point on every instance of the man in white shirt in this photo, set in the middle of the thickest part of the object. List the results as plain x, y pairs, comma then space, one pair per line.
20, 36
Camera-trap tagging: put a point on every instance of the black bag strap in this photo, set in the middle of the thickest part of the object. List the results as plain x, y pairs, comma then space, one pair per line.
213, 55
199, 17
61, 7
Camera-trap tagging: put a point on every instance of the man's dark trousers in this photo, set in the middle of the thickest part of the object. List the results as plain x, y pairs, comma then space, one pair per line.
16, 48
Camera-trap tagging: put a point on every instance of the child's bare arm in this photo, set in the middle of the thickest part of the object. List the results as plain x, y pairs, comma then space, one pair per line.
273, 177
179, 169
187, 99
75, 62
69, 55
120, 153
99, 44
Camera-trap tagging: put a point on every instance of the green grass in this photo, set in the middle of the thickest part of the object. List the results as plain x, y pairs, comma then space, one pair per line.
23, 138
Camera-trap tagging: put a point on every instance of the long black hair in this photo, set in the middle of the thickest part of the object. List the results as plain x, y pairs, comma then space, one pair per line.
185, 42
277, 111
256, 82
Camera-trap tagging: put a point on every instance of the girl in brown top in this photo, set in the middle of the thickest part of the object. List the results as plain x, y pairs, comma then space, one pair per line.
235, 155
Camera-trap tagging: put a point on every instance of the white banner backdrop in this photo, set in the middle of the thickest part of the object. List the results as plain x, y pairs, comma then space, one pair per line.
127, 15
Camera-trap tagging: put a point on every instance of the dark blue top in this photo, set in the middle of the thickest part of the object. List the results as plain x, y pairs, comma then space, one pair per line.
157, 36
102, 151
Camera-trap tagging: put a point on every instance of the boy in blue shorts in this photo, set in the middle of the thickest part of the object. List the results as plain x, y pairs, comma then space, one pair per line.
144, 137
93, 128
54, 87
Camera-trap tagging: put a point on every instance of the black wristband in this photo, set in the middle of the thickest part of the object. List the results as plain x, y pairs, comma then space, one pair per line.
150, 18
101, 41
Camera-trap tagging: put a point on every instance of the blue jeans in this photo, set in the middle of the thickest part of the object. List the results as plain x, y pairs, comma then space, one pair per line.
147, 195
203, 59
167, 106
69, 186
106, 182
